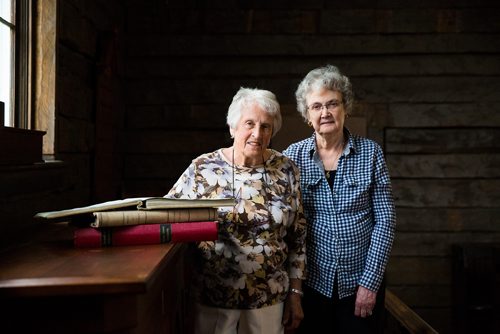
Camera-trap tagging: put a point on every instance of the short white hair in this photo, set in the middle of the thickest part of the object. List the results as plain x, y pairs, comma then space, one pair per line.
263, 98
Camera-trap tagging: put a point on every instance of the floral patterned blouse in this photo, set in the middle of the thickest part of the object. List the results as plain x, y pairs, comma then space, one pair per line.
261, 242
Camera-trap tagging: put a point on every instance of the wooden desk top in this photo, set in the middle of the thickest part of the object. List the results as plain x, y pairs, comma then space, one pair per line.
51, 266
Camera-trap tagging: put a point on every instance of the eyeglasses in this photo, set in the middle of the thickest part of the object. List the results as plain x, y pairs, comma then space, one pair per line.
330, 106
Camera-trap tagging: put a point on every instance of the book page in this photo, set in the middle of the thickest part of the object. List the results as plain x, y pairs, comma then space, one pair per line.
172, 203
141, 203
105, 206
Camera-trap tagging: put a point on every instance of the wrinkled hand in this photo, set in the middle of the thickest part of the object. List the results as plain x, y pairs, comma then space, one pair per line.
365, 302
293, 313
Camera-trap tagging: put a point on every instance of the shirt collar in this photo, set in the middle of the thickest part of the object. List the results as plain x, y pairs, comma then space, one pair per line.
350, 146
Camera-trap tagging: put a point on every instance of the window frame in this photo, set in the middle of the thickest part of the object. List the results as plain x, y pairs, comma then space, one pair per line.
9, 23
21, 73
23, 64
34, 72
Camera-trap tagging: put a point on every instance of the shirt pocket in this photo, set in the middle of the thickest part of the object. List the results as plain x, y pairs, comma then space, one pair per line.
354, 194
313, 197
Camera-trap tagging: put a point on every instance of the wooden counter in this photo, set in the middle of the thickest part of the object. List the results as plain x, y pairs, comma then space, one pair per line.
48, 286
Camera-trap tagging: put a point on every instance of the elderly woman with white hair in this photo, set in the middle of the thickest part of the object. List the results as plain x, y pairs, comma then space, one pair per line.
249, 280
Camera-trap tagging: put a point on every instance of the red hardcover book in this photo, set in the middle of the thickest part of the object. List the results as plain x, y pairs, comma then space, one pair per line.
145, 234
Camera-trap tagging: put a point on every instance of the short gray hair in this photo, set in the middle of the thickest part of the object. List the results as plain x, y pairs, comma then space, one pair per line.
327, 77
263, 98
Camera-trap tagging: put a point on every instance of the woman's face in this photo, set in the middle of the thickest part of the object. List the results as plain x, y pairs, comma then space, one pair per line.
252, 135
325, 110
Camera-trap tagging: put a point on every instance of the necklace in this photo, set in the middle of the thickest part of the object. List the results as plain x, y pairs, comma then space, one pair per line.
266, 182
327, 172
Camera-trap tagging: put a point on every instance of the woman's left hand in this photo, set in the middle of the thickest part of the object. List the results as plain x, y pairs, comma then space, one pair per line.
365, 302
293, 313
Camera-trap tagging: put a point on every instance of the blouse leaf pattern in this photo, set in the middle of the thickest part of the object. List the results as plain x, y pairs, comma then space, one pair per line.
261, 242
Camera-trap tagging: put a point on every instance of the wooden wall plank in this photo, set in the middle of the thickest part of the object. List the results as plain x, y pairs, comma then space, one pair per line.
147, 187
356, 65
408, 270
147, 166
481, 165
178, 117
175, 142
436, 243
424, 296
372, 90
456, 193
309, 45
443, 140
468, 114
448, 219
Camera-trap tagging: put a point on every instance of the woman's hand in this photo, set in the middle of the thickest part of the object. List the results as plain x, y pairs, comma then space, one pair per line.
293, 313
365, 302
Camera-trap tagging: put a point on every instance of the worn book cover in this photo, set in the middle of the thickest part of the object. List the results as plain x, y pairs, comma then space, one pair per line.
140, 217
145, 234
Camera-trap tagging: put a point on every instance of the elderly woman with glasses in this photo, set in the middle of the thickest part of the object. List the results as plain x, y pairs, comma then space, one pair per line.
249, 280
349, 208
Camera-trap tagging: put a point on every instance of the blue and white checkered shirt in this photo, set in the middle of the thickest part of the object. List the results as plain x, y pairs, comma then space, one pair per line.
350, 228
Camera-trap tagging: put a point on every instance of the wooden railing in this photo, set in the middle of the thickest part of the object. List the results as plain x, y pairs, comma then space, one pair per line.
401, 319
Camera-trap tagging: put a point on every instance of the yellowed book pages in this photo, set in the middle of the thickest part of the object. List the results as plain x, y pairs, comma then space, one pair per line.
140, 203
134, 217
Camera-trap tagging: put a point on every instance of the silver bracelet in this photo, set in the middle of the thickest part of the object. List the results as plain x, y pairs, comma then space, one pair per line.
299, 292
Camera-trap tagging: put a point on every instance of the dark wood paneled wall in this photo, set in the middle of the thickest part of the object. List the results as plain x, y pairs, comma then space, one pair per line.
89, 100
143, 87
87, 118
426, 77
